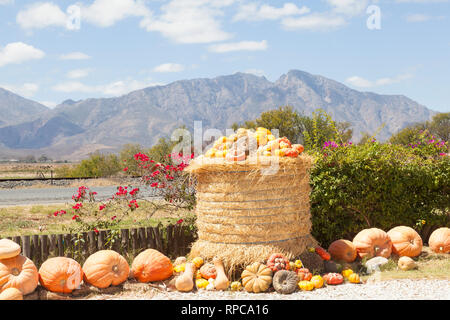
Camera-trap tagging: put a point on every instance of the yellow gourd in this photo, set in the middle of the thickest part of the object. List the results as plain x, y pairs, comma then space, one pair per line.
198, 261
201, 283
354, 278
306, 285
180, 268
347, 272
236, 286
298, 264
317, 281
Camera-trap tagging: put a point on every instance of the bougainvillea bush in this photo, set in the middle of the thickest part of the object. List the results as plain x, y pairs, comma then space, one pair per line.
379, 185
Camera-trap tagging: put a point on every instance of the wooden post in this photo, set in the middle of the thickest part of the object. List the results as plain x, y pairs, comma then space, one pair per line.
36, 251
26, 249
158, 240
68, 245
150, 238
16, 239
142, 238
101, 239
124, 243
44, 247
92, 242
53, 242
60, 245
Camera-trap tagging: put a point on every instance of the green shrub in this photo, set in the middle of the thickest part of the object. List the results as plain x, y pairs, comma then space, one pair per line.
378, 185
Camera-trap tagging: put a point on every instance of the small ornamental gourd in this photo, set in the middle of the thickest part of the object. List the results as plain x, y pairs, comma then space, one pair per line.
201, 283
354, 278
298, 264
277, 262
105, 268
347, 272
179, 268
406, 263
8, 249
306, 285
304, 274
151, 265
256, 277
198, 275
322, 253
236, 286
221, 281
285, 282
208, 271
20, 273
185, 282
333, 278
198, 261
317, 281
373, 242
343, 250
405, 241
439, 240
11, 294
60, 274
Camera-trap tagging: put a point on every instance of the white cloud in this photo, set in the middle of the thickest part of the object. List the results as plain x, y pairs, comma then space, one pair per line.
50, 104
18, 52
74, 56
421, 1
417, 17
169, 67
190, 21
5, 2
78, 73
314, 21
255, 12
41, 15
364, 83
25, 90
239, 46
116, 88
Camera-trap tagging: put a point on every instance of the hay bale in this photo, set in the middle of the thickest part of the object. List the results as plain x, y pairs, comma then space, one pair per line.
250, 209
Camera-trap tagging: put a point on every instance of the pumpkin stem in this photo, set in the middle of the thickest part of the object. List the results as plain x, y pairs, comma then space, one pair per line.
15, 272
115, 269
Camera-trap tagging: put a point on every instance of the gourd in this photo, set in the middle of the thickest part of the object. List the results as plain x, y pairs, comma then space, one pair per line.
11, 294
347, 272
185, 282
373, 242
406, 263
277, 262
333, 278
20, 273
439, 240
354, 278
151, 265
256, 277
9, 249
317, 281
211, 286
198, 261
306, 285
179, 260
221, 282
342, 250
60, 274
179, 268
322, 253
405, 241
236, 286
285, 282
105, 268
208, 270
201, 283
304, 274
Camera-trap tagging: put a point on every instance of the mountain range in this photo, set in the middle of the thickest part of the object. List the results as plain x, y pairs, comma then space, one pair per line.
74, 129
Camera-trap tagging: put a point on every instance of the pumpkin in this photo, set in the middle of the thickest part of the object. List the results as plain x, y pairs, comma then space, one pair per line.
151, 265
333, 278
256, 277
60, 274
201, 283
11, 294
9, 249
277, 262
179, 260
373, 242
221, 282
285, 282
236, 286
317, 281
198, 261
298, 147
354, 278
347, 272
405, 241
298, 264
20, 273
342, 250
105, 268
406, 263
304, 274
322, 253
185, 282
306, 285
208, 271
439, 240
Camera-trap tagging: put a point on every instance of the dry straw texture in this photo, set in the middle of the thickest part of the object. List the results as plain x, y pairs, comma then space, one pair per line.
248, 210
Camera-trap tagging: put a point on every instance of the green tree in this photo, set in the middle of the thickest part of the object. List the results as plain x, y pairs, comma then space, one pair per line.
127, 160
440, 126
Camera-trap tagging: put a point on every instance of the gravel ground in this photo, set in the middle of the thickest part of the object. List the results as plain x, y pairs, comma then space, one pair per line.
404, 289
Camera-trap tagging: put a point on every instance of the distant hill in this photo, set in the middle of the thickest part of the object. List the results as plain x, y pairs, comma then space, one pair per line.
76, 128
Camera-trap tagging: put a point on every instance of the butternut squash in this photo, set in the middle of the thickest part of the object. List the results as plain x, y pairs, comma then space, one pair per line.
221, 282
185, 282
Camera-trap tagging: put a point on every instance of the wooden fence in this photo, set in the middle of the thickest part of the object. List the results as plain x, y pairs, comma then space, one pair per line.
173, 241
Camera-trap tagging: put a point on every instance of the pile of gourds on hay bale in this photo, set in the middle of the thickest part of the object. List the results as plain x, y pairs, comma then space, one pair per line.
19, 275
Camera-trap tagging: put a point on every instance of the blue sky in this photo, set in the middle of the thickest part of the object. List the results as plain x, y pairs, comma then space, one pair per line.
124, 45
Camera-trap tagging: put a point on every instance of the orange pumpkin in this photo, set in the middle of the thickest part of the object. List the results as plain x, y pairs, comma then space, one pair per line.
11, 294
20, 273
9, 249
405, 241
373, 242
105, 268
439, 240
343, 250
60, 274
151, 265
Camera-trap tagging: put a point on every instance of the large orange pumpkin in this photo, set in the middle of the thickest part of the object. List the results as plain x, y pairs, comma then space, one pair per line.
105, 268
373, 242
343, 250
151, 265
60, 274
405, 241
439, 240
8, 249
20, 273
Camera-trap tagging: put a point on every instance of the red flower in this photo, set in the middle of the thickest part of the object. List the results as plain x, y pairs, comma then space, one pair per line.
56, 213
75, 217
113, 218
154, 184
134, 191
77, 206
103, 206
125, 169
180, 221
95, 230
